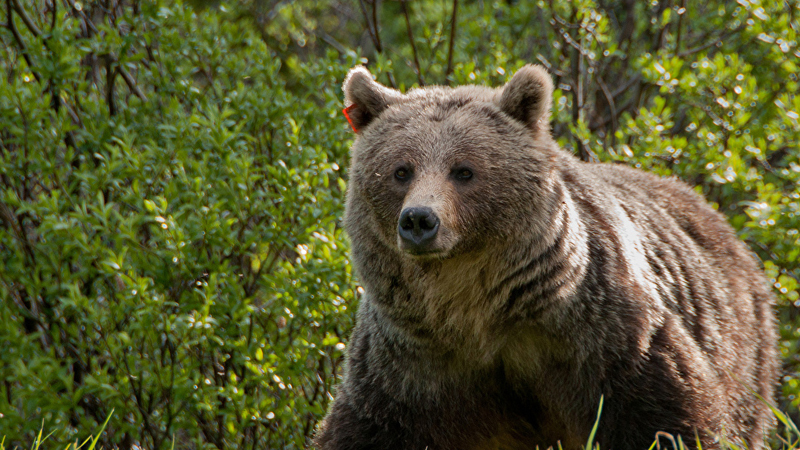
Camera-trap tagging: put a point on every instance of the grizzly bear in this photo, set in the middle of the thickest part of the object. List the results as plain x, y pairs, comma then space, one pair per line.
508, 286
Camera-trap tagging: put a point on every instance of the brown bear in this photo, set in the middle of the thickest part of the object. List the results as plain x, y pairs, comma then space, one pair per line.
509, 286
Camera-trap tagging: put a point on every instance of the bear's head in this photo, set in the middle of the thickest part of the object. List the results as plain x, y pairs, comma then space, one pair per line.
440, 172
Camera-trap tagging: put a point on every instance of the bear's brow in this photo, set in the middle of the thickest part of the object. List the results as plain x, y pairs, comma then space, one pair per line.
454, 103
495, 119
445, 108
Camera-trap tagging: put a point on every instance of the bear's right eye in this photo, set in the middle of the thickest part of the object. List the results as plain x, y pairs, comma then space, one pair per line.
402, 174
463, 174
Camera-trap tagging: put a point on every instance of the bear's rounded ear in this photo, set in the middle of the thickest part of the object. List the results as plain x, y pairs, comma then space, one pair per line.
527, 97
364, 98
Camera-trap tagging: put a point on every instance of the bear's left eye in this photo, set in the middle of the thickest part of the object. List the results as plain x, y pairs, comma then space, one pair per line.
402, 174
463, 174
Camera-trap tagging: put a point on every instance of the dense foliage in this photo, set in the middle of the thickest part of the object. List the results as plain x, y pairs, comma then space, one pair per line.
171, 183
170, 246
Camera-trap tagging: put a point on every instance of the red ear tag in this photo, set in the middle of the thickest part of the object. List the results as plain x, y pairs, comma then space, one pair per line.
346, 112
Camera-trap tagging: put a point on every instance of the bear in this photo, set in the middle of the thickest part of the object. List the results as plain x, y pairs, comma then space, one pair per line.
509, 287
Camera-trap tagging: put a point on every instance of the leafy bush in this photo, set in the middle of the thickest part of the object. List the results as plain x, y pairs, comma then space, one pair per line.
171, 179
169, 236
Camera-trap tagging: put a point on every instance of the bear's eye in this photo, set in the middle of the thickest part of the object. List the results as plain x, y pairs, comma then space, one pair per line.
402, 173
463, 174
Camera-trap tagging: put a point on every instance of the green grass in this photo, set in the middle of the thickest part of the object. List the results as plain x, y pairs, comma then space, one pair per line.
791, 440
590, 441
37, 444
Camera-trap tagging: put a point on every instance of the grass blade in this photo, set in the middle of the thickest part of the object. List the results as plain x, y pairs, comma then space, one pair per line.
590, 441
94, 441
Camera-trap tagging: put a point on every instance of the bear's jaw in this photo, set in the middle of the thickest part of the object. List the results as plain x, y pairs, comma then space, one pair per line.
423, 254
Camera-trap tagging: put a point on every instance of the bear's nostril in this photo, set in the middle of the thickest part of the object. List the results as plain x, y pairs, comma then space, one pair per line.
428, 222
407, 220
418, 226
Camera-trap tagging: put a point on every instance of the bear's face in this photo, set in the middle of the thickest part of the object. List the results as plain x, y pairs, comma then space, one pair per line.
441, 171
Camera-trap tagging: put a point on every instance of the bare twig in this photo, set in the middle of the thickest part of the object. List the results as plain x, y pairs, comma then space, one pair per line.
129, 80
413, 46
658, 37
54, 13
372, 34
551, 67
715, 42
26, 19
680, 26
331, 41
20, 42
626, 34
620, 109
375, 24
452, 40
575, 72
611, 106
620, 90
111, 75
122, 71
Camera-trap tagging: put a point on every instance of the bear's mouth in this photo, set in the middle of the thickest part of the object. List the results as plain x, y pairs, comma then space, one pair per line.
434, 249
425, 253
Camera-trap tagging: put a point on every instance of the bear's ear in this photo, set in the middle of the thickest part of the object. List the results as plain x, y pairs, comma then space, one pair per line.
365, 99
527, 97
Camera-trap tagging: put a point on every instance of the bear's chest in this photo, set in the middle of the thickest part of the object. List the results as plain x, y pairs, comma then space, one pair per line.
452, 300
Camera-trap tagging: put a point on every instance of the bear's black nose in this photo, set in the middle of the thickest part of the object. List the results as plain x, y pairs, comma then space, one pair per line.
418, 227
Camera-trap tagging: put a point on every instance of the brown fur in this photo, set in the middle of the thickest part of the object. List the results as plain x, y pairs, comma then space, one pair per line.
550, 283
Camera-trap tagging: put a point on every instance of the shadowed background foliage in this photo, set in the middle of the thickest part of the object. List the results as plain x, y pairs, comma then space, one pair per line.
172, 178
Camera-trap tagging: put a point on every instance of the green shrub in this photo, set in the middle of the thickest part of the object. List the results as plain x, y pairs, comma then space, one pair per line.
170, 247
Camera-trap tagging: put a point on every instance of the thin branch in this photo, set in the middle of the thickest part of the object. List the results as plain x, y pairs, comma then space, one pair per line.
331, 41
712, 43
129, 80
111, 75
122, 71
680, 26
375, 24
658, 37
575, 73
413, 47
594, 126
372, 33
452, 40
372, 28
54, 15
611, 106
28, 22
620, 90
550, 67
20, 42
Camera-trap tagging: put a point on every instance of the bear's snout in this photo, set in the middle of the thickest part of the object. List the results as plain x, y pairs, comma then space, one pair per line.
417, 228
